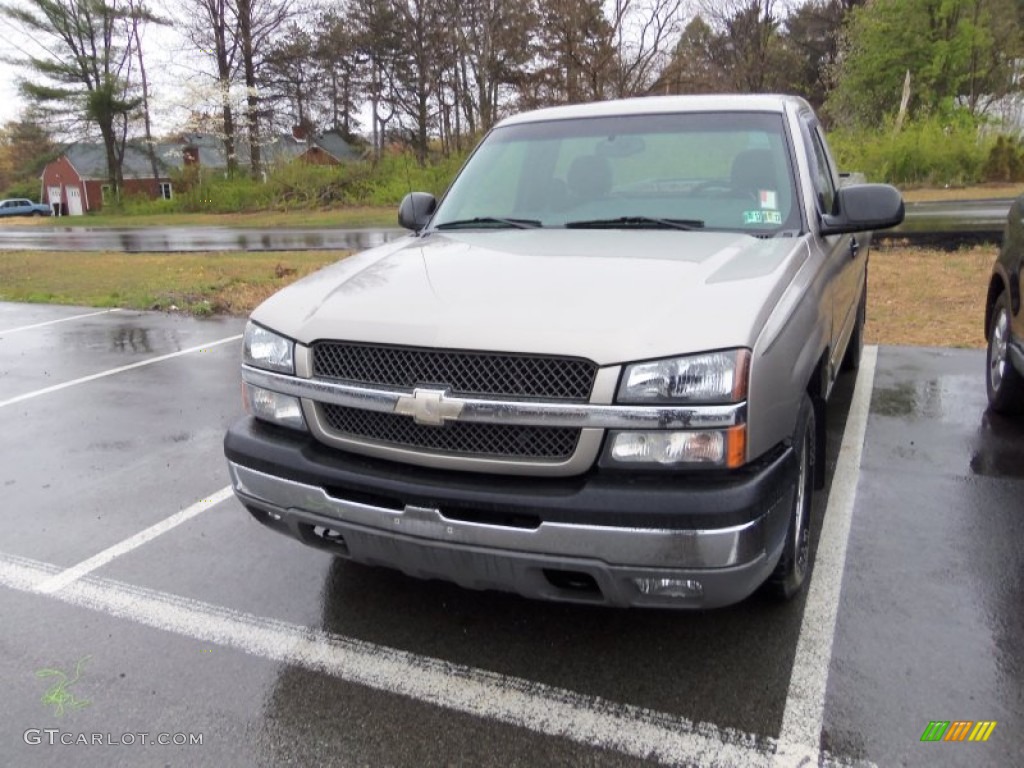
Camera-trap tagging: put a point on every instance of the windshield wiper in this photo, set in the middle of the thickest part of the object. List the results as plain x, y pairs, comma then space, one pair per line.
636, 221
490, 221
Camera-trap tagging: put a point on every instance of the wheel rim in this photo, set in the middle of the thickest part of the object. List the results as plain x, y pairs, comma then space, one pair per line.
801, 538
997, 350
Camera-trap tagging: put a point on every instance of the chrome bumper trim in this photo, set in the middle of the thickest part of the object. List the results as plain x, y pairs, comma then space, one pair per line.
638, 547
525, 413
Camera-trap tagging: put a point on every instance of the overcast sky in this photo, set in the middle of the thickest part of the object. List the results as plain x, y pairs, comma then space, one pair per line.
10, 40
167, 67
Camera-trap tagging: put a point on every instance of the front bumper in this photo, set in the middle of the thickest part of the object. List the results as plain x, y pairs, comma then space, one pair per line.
582, 539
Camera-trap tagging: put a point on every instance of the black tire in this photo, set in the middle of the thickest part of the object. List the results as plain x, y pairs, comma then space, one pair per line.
855, 349
1003, 382
790, 575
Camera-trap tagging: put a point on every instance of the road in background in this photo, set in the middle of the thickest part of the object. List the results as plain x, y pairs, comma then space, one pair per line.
183, 239
945, 224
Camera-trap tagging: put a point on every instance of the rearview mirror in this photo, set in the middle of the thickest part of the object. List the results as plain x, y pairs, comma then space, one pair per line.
863, 207
416, 210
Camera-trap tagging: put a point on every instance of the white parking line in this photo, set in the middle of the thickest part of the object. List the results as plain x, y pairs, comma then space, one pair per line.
59, 320
588, 720
120, 369
76, 572
800, 736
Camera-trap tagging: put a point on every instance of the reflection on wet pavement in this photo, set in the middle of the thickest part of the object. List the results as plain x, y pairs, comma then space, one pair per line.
934, 582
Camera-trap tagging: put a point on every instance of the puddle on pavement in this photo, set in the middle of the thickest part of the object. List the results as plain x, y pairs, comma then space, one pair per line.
944, 398
126, 339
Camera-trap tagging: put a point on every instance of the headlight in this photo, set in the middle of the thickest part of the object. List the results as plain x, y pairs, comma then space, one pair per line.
268, 350
713, 377
707, 449
274, 407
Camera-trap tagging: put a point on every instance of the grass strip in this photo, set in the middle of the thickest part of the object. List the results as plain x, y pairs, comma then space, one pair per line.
197, 283
927, 297
916, 296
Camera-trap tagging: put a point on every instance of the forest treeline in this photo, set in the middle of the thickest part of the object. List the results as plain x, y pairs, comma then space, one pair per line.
911, 90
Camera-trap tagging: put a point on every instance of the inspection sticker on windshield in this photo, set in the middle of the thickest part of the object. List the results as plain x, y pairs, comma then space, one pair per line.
769, 200
762, 217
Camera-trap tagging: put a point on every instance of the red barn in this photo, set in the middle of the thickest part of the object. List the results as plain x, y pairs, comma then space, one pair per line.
77, 180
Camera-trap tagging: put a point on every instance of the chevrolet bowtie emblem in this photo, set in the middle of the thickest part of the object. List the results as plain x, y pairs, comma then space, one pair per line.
429, 407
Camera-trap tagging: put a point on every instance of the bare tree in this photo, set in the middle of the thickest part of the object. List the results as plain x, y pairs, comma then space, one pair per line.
212, 30
640, 32
378, 39
418, 67
235, 35
292, 75
745, 51
493, 41
343, 67
140, 16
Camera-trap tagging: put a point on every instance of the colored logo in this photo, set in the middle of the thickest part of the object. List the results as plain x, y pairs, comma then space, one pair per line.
958, 730
59, 697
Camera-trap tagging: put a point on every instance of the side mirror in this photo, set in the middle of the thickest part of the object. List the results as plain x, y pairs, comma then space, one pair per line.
863, 207
416, 210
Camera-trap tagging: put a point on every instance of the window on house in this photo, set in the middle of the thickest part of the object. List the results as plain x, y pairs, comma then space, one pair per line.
165, 190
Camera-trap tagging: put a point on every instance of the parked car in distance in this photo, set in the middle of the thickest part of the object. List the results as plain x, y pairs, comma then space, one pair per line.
1004, 319
20, 206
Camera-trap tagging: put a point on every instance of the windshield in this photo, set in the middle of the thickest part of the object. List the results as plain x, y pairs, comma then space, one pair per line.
722, 171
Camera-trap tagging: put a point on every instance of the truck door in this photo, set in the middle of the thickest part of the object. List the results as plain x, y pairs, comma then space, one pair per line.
847, 261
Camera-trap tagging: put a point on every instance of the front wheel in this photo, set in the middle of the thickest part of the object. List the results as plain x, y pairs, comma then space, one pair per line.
1004, 384
790, 574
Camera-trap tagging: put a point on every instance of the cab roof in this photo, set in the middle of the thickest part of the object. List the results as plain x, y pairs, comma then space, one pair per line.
652, 105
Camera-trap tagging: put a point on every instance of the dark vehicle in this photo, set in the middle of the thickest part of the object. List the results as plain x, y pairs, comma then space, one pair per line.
1004, 319
23, 207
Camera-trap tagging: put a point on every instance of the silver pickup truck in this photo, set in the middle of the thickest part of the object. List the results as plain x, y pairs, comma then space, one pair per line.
596, 371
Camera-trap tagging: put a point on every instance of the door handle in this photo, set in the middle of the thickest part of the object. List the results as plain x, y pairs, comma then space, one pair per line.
854, 247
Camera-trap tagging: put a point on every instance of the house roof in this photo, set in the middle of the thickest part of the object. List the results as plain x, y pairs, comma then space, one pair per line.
210, 149
90, 160
335, 145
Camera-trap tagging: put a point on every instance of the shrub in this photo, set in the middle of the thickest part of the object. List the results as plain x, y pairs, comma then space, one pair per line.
950, 150
27, 188
294, 186
1005, 161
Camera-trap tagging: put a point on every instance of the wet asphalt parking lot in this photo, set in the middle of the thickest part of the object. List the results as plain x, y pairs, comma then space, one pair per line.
138, 597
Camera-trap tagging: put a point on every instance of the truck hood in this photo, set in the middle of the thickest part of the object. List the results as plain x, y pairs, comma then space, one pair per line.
608, 295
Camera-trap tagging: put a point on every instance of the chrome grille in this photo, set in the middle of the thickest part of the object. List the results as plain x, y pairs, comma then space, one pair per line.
486, 374
489, 440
